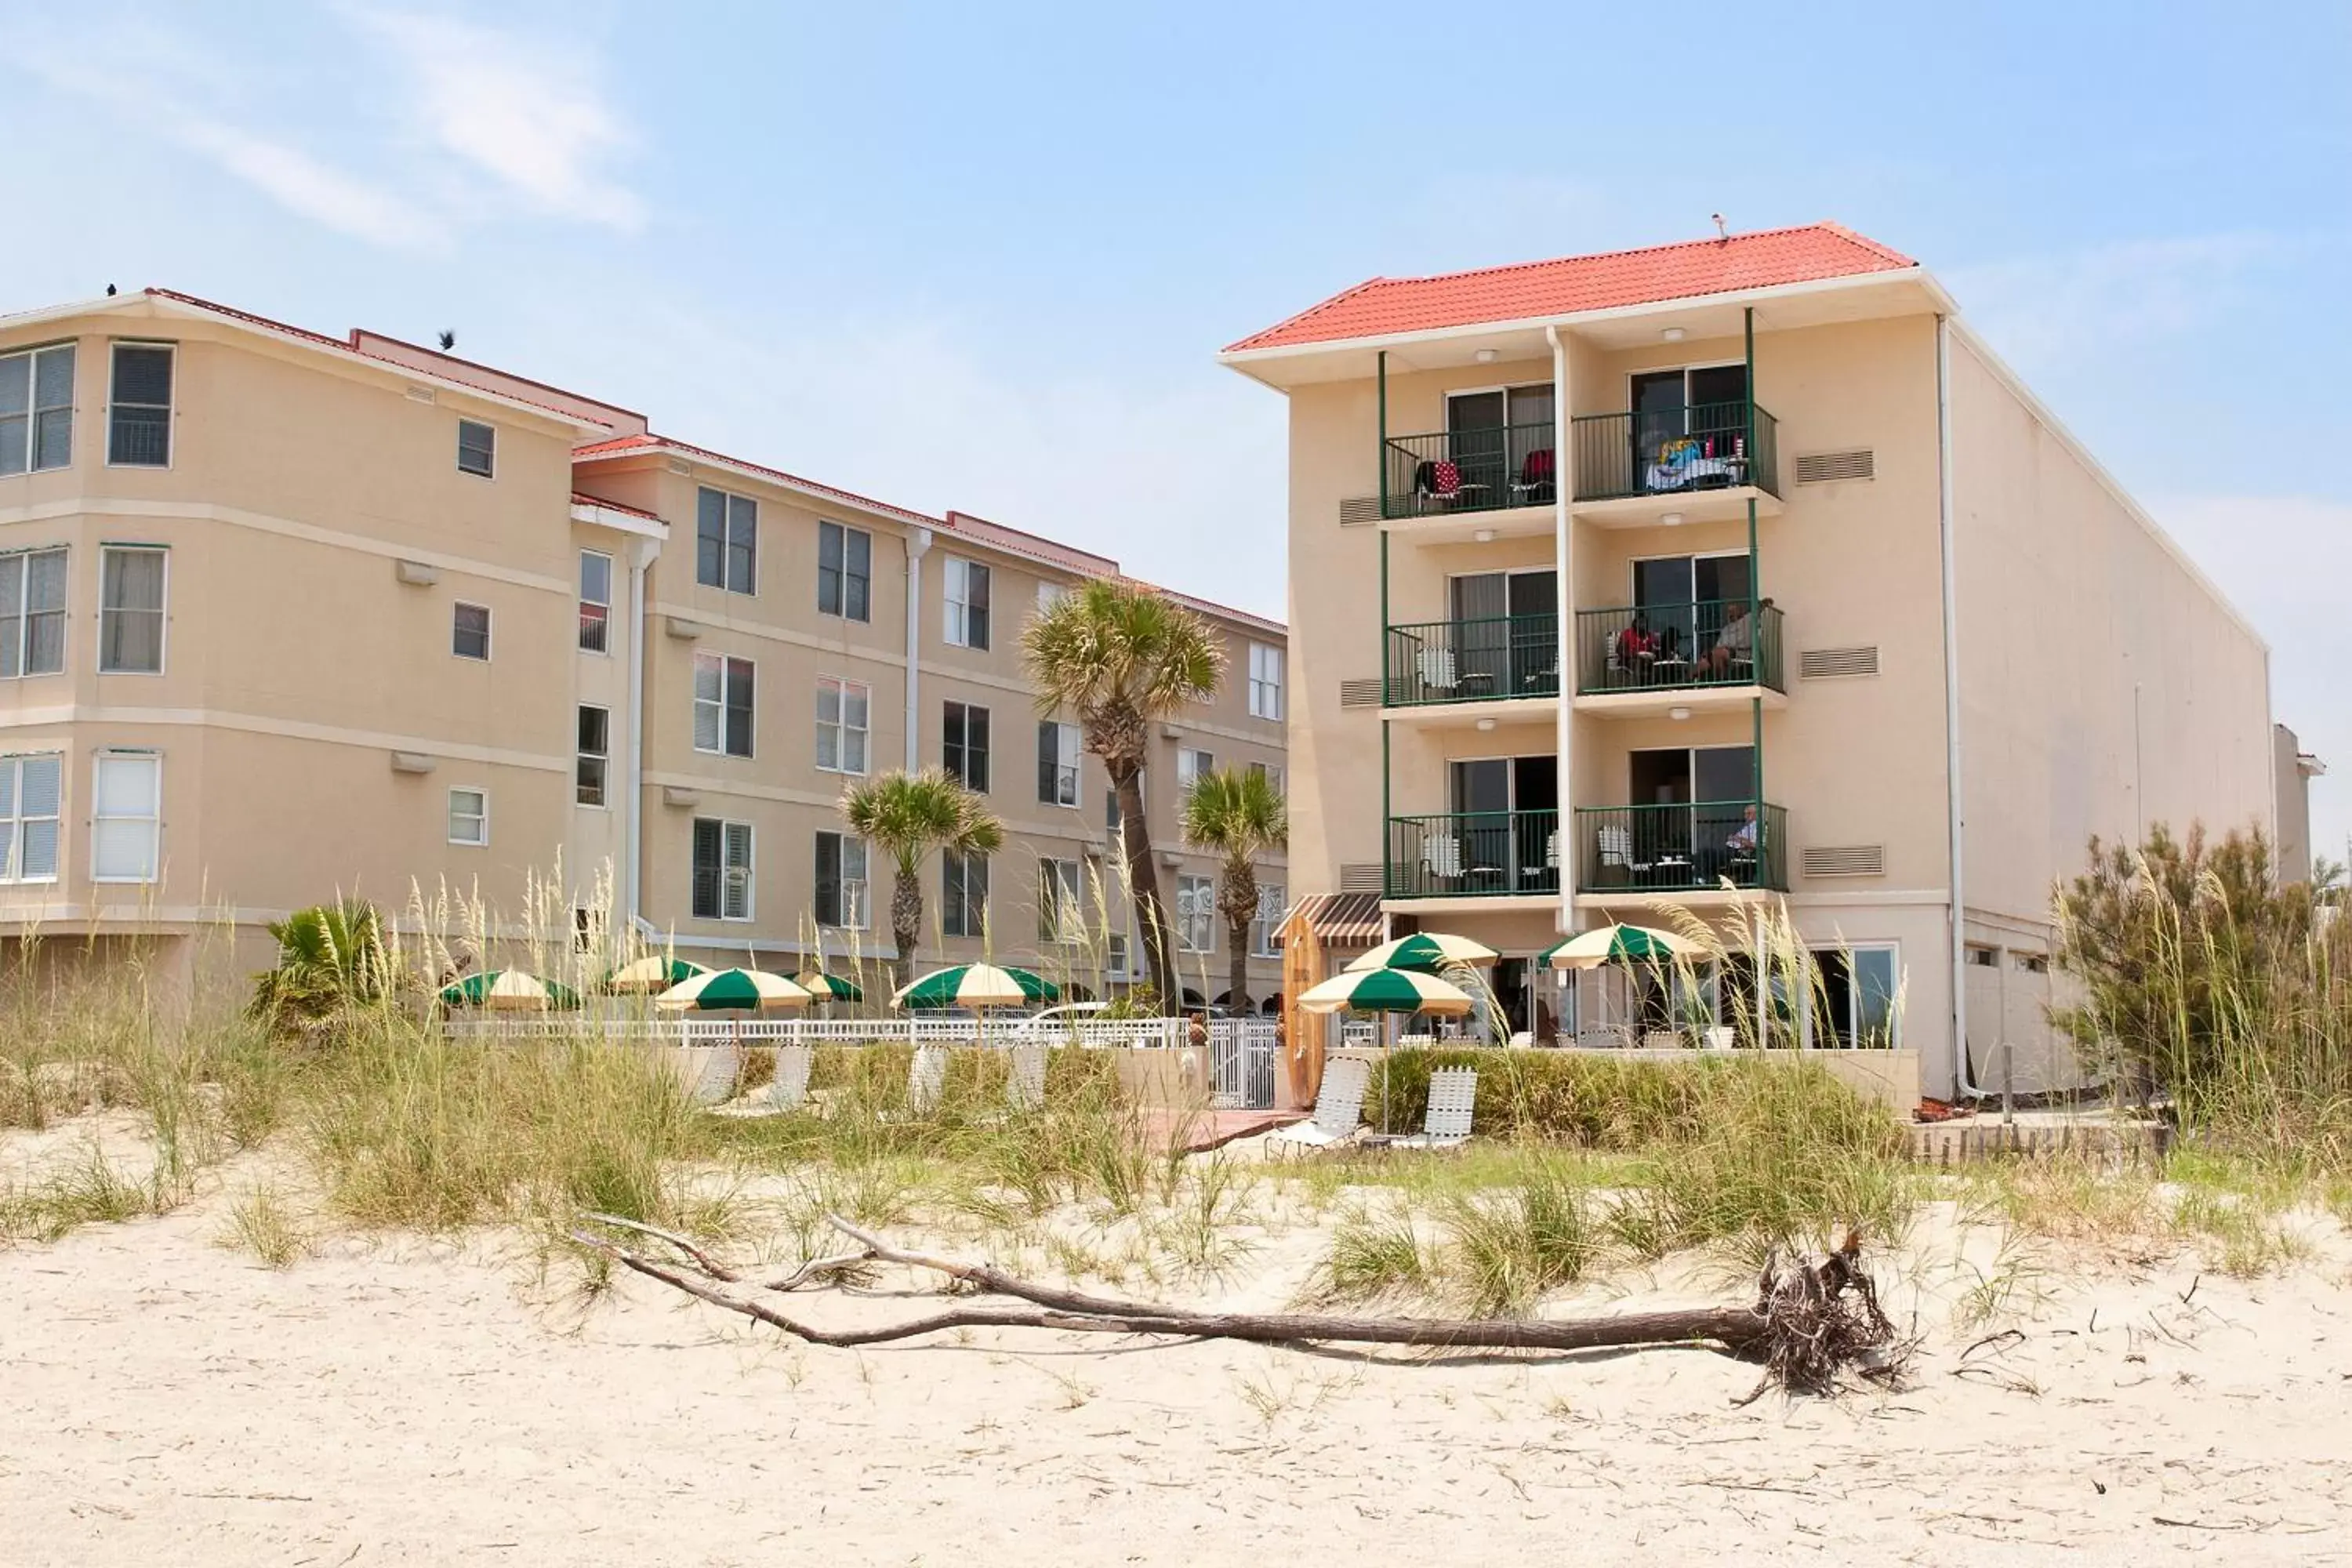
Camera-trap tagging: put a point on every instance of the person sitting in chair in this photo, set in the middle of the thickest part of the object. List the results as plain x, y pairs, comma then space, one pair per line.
1735, 644
1636, 646
1743, 840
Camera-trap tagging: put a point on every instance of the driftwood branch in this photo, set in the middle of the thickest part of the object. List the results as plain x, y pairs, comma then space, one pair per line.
1810, 1321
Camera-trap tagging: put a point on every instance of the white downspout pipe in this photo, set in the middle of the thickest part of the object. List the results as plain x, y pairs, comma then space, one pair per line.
633, 787
919, 542
1953, 800
1563, 483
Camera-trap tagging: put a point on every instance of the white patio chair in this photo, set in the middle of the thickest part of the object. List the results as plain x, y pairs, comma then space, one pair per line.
1024, 1089
926, 1075
1452, 1092
1441, 855
1339, 1106
1435, 666
709, 1068
789, 1088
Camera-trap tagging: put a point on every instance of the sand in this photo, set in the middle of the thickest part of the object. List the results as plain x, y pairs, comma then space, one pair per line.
166, 1400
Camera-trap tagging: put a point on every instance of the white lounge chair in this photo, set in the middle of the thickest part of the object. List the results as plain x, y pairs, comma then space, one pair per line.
926, 1075
1338, 1106
710, 1069
1453, 1091
789, 1088
1025, 1090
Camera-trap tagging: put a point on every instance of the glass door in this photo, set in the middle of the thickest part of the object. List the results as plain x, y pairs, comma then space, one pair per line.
1504, 632
1535, 632
1476, 439
1663, 587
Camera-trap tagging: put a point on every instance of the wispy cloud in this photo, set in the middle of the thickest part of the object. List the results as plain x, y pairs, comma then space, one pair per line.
527, 110
2048, 311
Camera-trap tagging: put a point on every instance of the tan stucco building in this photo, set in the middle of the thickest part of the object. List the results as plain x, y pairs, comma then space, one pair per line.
285, 616
1725, 576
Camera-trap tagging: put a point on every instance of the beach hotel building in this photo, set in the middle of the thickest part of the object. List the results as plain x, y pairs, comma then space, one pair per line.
1724, 575
285, 616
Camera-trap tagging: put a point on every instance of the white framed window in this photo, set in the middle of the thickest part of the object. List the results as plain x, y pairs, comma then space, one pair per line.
1191, 763
844, 711
1061, 908
1855, 995
139, 409
841, 883
478, 448
33, 613
595, 752
722, 705
469, 630
1267, 921
469, 817
1058, 763
36, 390
595, 602
29, 815
1271, 772
126, 828
963, 894
845, 572
133, 587
1051, 594
963, 744
726, 541
1265, 681
967, 604
722, 869
1196, 914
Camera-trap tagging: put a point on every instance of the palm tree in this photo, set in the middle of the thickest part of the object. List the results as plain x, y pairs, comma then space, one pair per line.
907, 815
331, 958
1236, 813
1122, 657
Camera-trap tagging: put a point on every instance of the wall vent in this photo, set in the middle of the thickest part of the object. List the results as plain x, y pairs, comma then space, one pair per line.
1363, 878
681, 628
1845, 860
411, 762
681, 467
416, 574
679, 795
1821, 468
1358, 511
1836, 663
1360, 694
420, 394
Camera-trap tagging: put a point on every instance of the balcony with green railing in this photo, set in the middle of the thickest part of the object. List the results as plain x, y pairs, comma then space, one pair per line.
1456, 472
1479, 660
1473, 854
1706, 447
1677, 647
1682, 848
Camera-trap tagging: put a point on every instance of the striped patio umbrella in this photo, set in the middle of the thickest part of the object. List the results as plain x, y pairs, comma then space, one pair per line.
829, 987
652, 973
978, 985
509, 990
1385, 991
1426, 951
1617, 944
731, 991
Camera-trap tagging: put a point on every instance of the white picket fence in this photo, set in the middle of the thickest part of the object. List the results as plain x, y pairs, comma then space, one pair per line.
1094, 1033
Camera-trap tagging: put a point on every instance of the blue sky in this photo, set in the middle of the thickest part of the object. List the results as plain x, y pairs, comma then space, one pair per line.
982, 257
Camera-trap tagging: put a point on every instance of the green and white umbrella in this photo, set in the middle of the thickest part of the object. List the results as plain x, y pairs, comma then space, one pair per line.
1426, 951
1618, 945
977, 986
652, 973
829, 987
509, 990
732, 990
1385, 991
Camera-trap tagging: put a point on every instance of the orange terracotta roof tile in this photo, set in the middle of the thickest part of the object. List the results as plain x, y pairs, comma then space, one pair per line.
1531, 290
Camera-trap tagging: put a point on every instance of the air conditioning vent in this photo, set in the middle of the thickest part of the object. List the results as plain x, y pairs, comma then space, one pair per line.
1836, 663
1364, 877
1360, 694
1358, 511
681, 467
1823, 467
420, 394
1845, 860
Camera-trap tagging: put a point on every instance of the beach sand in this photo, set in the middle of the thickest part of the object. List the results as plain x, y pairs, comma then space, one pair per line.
167, 1400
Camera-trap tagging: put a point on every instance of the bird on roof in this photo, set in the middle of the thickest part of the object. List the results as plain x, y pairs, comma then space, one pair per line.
109, 290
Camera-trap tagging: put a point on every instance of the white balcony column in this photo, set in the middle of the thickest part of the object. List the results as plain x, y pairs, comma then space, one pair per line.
1563, 487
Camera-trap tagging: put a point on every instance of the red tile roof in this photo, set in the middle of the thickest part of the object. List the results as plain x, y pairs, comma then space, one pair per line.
1535, 289
582, 498
621, 446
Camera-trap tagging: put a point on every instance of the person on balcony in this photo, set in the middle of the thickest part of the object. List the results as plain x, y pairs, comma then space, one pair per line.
1743, 839
1735, 644
1637, 648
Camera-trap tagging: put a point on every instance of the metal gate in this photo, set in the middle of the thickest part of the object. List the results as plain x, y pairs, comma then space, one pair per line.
1241, 1063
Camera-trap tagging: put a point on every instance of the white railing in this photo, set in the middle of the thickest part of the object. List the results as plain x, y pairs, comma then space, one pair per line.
1241, 1063
1092, 1033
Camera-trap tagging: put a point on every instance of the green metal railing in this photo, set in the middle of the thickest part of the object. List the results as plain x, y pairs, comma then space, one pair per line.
1670, 648
1713, 445
1472, 661
1682, 848
1473, 854
1469, 471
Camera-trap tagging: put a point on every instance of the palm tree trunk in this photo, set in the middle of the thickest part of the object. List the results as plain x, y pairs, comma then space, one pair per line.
1143, 887
906, 920
1237, 967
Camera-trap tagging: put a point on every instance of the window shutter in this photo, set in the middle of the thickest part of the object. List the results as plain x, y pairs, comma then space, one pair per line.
1049, 760
707, 835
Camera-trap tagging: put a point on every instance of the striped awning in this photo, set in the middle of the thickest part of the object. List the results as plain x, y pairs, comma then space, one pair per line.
1338, 919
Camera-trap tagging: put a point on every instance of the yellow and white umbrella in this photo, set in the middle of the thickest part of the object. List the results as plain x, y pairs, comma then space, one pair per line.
653, 972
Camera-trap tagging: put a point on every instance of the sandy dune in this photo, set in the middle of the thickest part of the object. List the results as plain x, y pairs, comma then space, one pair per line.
165, 1401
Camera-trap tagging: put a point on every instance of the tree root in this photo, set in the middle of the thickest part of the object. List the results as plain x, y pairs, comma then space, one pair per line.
1811, 1320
